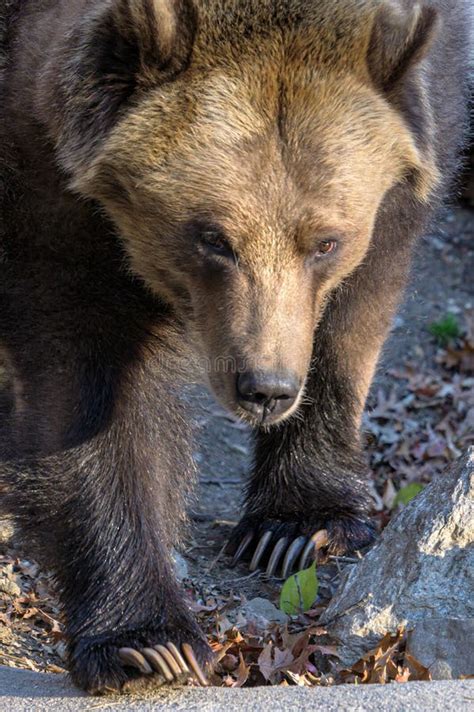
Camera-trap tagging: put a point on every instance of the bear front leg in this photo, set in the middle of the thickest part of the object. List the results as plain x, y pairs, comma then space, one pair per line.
102, 497
309, 482
128, 623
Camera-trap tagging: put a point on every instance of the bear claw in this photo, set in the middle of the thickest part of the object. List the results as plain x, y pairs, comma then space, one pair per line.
242, 548
260, 550
167, 661
275, 557
301, 547
292, 554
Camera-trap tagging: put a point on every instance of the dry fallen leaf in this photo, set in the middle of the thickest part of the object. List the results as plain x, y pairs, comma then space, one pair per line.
403, 674
387, 662
272, 660
242, 673
417, 670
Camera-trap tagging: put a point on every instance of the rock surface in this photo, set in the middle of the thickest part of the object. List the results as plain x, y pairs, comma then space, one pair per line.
8, 584
445, 646
422, 569
260, 613
180, 566
6, 531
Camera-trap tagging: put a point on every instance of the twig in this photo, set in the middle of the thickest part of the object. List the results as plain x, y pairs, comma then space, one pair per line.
216, 558
243, 578
345, 559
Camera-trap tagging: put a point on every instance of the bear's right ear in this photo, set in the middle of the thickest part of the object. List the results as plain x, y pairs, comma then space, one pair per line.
118, 47
133, 42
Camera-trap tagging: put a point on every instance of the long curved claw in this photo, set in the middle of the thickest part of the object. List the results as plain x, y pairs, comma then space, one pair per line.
166, 661
276, 554
259, 551
178, 657
308, 551
196, 668
158, 663
317, 541
291, 555
133, 658
170, 660
241, 549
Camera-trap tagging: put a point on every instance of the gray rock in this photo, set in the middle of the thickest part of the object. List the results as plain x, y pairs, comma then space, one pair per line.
261, 613
6, 531
9, 586
445, 646
180, 566
422, 568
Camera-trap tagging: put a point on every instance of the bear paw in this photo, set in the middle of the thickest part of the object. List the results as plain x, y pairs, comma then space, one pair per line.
130, 666
271, 542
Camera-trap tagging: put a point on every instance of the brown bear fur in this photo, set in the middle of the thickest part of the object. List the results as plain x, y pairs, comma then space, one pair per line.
131, 131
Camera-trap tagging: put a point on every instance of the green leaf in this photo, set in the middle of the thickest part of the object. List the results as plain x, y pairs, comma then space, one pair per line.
407, 493
445, 330
299, 591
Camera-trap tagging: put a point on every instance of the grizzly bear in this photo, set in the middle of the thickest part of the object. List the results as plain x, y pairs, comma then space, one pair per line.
187, 184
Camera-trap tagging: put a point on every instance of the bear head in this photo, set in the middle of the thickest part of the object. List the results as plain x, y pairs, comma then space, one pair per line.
243, 150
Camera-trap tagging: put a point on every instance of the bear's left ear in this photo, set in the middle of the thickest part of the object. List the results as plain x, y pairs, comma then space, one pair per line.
401, 35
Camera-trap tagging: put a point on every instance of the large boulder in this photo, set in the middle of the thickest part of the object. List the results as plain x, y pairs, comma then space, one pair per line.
420, 574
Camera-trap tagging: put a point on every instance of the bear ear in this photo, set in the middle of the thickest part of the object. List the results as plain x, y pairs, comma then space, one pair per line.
401, 35
118, 47
142, 41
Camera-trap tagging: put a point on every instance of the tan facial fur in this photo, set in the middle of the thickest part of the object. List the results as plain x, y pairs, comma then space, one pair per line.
281, 145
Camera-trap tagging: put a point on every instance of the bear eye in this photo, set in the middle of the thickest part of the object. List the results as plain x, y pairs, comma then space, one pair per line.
325, 247
214, 241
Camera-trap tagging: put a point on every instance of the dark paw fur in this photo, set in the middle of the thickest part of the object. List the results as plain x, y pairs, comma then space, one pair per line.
136, 661
283, 546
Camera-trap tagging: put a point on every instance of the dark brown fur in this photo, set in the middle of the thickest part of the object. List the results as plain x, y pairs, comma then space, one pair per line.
130, 130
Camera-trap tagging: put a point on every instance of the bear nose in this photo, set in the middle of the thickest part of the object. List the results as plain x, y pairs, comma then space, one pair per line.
267, 395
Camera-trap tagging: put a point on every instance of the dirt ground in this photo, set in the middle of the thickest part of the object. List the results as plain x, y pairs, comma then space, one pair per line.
420, 416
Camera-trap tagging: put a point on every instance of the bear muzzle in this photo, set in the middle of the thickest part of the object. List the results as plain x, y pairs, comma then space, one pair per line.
267, 395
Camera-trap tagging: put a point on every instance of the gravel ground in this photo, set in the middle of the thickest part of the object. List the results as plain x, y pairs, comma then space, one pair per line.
24, 692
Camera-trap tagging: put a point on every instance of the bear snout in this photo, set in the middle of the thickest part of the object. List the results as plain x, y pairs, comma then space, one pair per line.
267, 396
